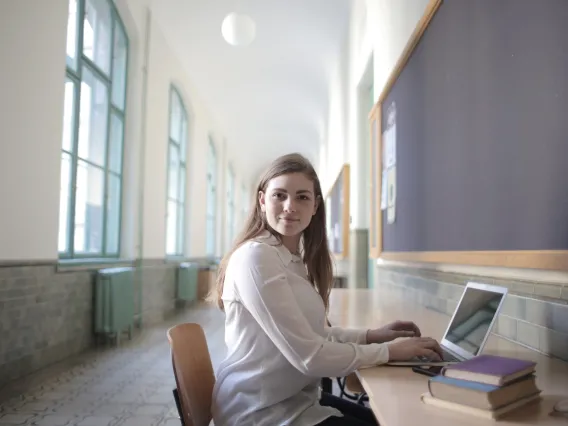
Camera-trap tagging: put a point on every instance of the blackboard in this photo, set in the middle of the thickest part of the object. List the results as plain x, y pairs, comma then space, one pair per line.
481, 98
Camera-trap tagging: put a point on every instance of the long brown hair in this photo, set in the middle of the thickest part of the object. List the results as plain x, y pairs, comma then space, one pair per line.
316, 255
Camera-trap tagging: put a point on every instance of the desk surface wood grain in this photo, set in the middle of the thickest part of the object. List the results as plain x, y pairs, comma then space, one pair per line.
394, 392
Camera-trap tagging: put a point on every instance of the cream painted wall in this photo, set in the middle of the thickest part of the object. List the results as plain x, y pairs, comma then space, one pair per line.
379, 29
220, 152
390, 25
134, 19
32, 86
335, 138
361, 79
336, 132
32, 76
165, 69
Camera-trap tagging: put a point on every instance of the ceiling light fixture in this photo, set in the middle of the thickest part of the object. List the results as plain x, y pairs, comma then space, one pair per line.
238, 29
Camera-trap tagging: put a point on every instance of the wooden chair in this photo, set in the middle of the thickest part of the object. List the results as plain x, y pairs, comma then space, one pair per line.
193, 372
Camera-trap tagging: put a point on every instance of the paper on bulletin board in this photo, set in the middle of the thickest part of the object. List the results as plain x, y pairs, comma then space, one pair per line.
389, 164
389, 140
384, 190
389, 137
391, 214
391, 195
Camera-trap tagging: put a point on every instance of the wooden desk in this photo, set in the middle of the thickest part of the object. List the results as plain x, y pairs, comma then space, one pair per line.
394, 392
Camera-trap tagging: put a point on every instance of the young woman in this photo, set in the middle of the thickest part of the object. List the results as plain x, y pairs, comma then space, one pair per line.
274, 288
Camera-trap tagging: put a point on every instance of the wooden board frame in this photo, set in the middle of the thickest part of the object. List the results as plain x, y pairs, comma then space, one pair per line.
344, 173
375, 227
533, 259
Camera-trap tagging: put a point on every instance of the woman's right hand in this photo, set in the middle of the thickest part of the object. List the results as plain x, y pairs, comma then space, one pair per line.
404, 350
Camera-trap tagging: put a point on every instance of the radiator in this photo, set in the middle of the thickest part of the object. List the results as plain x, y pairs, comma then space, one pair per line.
187, 281
114, 303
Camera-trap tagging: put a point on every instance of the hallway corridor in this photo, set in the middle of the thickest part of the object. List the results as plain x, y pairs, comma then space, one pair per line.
128, 386
142, 141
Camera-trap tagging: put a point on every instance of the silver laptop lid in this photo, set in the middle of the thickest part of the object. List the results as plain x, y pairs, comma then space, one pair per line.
473, 319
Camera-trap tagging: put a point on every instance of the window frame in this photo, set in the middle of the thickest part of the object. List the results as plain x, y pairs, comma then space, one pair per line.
230, 220
75, 75
181, 200
245, 201
211, 216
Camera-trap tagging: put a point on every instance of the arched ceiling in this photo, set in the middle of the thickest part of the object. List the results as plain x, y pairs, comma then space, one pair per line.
270, 97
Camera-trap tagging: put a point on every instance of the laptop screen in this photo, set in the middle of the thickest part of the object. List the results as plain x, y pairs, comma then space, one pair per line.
473, 318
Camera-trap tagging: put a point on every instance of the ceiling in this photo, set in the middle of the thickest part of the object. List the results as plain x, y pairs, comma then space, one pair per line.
270, 97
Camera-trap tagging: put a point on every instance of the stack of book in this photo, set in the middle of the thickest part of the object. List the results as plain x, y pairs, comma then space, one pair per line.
487, 385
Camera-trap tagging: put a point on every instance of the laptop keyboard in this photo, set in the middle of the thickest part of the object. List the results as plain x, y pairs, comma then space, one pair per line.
447, 357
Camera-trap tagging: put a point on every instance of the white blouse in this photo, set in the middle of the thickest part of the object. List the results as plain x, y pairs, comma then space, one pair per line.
279, 346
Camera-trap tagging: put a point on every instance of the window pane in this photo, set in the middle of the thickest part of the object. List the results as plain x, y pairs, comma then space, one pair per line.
212, 159
181, 215
183, 139
97, 33
181, 196
175, 117
72, 35
210, 235
173, 170
89, 209
119, 67
113, 214
374, 182
171, 232
93, 118
115, 143
229, 185
68, 115
64, 203
211, 200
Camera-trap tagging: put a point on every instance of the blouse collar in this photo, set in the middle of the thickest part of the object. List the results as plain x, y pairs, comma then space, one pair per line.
286, 255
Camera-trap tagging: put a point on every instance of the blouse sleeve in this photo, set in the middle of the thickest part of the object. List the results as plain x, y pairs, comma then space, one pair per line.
347, 335
261, 283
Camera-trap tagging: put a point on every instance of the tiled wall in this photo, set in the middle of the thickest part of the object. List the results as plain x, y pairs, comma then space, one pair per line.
158, 290
46, 314
359, 256
534, 314
353, 269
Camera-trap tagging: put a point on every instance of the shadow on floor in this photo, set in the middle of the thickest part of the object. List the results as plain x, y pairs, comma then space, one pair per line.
126, 386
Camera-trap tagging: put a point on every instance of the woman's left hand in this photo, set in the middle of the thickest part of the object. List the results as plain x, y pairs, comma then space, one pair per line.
393, 331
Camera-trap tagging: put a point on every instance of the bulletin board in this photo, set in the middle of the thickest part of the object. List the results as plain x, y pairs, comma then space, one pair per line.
478, 102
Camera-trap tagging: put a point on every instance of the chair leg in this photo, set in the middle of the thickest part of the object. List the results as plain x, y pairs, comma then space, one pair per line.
363, 398
343, 392
326, 385
359, 397
178, 405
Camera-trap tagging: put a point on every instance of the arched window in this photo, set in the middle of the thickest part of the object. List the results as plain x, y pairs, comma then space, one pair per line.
177, 172
211, 200
93, 132
230, 206
245, 206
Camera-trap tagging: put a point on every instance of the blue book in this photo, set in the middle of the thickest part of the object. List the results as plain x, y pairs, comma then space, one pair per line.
478, 386
481, 395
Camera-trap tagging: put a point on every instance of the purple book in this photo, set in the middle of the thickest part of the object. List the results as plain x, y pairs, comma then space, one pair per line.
490, 369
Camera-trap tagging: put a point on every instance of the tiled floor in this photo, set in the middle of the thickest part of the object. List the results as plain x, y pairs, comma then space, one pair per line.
127, 386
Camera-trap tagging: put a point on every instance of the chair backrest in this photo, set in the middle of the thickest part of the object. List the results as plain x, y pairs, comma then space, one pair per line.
193, 372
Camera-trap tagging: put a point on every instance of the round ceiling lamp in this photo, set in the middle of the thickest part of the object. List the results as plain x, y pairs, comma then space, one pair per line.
238, 29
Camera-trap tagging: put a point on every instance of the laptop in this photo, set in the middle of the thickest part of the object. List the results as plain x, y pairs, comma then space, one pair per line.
469, 327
